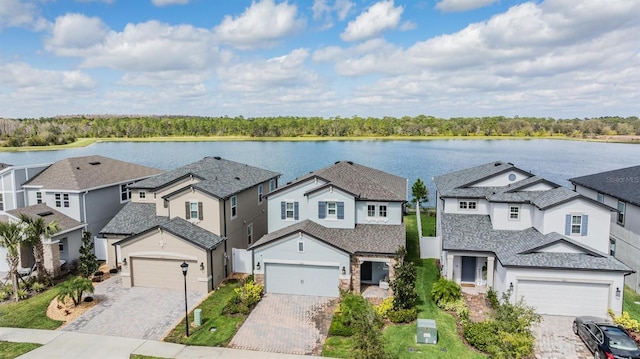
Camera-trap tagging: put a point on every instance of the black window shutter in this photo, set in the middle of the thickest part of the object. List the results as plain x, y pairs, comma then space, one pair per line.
187, 213
283, 214
322, 209
340, 210
200, 211
295, 211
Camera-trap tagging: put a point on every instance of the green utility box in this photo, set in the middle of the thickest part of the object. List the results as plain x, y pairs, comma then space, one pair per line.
427, 332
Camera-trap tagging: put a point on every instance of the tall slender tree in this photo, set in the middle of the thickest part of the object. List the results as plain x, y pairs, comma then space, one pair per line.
88, 263
420, 193
12, 235
37, 232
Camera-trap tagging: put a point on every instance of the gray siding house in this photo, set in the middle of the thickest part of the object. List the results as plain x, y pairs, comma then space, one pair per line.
619, 190
197, 213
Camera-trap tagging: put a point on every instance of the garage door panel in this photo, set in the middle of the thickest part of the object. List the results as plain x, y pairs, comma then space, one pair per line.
565, 298
302, 279
160, 273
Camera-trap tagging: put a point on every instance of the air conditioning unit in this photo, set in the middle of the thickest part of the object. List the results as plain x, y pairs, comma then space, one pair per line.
427, 332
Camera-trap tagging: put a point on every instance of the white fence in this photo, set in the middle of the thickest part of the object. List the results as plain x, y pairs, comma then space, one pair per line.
242, 261
100, 247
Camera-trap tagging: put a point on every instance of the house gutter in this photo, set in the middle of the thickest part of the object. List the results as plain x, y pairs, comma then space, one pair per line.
84, 207
224, 226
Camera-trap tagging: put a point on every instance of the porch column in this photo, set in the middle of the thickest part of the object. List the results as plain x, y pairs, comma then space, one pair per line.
490, 268
450, 266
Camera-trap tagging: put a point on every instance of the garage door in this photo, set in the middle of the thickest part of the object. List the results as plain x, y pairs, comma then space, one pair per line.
565, 298
302, 279
160, 273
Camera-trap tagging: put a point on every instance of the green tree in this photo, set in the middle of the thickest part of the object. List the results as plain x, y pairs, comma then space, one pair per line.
74, 289
38, 231
420, 192
368, 341
404, 283
12, 235
88, 262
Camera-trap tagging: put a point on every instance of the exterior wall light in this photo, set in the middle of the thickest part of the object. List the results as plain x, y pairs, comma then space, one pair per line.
511, 286
201, 266
344, 271
124, 262
258, 266
618, 293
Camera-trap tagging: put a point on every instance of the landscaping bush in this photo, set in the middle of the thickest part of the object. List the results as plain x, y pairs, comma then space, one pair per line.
445, 291
626, 321
4, 295
244, 298
383, 308
74, 289
403, 315
338, 328
458, 306
480, 335
38, 287
492, 296
23, 294
404, 283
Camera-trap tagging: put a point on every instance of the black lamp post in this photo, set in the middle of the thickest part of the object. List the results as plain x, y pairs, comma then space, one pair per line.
184, 267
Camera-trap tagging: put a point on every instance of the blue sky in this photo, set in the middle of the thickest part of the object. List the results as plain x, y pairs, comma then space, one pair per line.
446, 58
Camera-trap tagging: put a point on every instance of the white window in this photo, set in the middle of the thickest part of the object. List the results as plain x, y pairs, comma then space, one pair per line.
125, 192
462, 205
332, 209
38, 197
576, 224
250, 233
260, 194
467, 205
234, 206
142, 194
382, 211
600, 197
289, 211
621, 207
300, 246
58, 198
1, 202
62, 200
612, 246
193, 210
472, 205
371, 210
514, 213
272, 185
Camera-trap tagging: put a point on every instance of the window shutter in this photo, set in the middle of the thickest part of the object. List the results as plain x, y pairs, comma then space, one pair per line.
322, 209
295, 211
283, 210
200, 214
187, 213
567, 225
585, 223
340, 210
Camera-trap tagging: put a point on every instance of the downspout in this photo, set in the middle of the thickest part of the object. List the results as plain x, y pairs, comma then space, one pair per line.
84, 208
211, 266
224, 225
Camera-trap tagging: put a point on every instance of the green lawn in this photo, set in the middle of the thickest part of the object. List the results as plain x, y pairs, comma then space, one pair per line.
30, 313
428, 225
629, 305
10, 350
212, 317
401, 338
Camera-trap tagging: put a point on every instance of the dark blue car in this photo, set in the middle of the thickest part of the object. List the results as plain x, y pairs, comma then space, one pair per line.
606, 340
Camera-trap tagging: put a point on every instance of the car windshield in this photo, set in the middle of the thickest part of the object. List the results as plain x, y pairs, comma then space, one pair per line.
620, 340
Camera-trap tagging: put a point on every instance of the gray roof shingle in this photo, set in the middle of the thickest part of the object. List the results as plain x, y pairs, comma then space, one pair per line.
364, 238
87, 172
622, 183
48, 214
219, 177
185, 230
519, 248
134, 218
364, 182
448, 183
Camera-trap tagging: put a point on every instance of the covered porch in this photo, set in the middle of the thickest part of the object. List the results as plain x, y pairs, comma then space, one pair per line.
372, 274
470, 269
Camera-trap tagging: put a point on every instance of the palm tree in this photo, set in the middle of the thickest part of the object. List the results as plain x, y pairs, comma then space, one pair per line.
37, 232
12, 235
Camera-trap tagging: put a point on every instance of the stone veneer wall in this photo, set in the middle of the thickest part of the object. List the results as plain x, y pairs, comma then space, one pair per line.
355, 271
52, 258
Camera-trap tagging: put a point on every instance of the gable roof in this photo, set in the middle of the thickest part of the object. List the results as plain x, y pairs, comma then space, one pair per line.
218, 177
134, 218
88, 172
65, 223
447, 184
623, 183
183, 229
364, 238
518, 248
364, 182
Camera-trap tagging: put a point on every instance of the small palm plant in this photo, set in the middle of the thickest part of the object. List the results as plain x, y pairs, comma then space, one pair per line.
74, 289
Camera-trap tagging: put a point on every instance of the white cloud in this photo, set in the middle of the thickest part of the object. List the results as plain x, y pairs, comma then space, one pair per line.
323, 10
16, 13
372, 22
462, 5
77, 31
29, 82
260, 26
169, 2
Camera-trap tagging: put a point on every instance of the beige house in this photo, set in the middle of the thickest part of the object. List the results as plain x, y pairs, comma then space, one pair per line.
195, 214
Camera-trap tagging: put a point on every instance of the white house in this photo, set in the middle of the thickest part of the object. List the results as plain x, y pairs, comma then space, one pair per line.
506, 228
619, 190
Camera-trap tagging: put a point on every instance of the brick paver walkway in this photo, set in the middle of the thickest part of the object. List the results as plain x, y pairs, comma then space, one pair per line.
555, 339
290, 324
138, 312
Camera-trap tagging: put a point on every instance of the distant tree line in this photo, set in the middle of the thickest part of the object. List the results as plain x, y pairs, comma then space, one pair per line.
62, 130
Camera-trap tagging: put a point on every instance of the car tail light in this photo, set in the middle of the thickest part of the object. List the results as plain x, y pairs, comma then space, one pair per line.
610, 356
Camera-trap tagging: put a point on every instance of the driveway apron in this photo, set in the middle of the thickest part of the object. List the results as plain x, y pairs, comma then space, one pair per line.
291, 324
555, 339
137, 312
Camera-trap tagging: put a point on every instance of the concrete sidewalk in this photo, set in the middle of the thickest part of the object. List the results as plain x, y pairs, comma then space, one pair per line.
68, 345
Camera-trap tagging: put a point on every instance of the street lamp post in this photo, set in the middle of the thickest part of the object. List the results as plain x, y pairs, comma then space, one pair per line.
184, 267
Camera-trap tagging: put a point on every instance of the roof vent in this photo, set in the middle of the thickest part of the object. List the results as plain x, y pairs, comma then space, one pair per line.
497, 164
238, 178
44, 214
350, 162
77, 168
509, 163
217, 158
95, 163
336, 162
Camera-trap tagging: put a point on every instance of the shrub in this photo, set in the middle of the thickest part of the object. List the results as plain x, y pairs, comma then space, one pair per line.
249, 294
492, 296
351, 307
74, 288
403, 315
338, 328
23, 294
480, 335
368, 340
626, 321
444, 291
383, 308
37, 287
4, 295
404, 283
458, 306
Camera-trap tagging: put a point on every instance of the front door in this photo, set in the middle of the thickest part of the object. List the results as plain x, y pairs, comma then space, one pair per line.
366, 270
468, 269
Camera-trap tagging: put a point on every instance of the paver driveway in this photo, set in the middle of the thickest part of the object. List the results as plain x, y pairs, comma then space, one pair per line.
291, 324
555, 339
138, 312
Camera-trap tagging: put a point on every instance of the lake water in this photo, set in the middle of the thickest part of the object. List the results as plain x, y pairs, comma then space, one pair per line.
556, 160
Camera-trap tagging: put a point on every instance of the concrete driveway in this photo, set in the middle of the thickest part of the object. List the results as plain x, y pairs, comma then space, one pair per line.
291, 324
555, 339
138, 312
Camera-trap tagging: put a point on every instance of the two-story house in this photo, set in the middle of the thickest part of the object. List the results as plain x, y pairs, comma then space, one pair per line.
619, 190
89, 189
196, 214
338, 227
508, 229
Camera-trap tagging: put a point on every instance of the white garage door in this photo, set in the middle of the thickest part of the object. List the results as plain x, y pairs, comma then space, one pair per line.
565, 298
160, 273
302, 279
